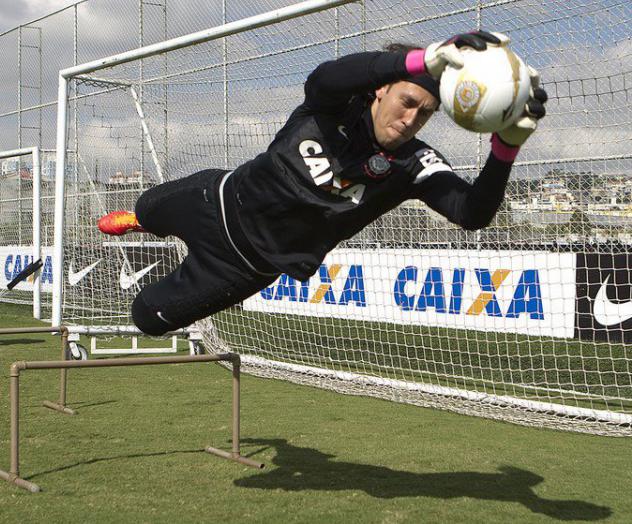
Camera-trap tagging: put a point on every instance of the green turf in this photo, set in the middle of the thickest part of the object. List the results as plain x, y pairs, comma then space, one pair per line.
133, 454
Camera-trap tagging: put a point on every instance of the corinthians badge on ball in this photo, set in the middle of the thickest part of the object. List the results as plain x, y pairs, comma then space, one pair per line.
467, 94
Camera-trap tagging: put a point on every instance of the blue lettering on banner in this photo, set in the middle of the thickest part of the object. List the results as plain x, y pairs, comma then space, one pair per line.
15, 263
404, 301
529, 284
456, 298
527, 297
432, 294
267, 293
354, 288
7, 271
288, 288
435, 293
484, 278
327, 281
18, 267
47, 271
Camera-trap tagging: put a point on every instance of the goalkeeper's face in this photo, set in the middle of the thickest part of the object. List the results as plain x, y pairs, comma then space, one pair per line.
399, 111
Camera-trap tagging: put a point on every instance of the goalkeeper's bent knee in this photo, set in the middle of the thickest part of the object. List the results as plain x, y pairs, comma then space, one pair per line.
147, 320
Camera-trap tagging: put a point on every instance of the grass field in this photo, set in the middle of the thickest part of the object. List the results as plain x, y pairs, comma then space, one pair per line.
134, 454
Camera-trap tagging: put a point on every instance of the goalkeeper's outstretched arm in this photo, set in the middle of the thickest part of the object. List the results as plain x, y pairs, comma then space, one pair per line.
332, 84
473, 206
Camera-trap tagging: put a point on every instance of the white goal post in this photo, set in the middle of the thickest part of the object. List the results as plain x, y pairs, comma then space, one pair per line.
78, 73
520, 322
12, 214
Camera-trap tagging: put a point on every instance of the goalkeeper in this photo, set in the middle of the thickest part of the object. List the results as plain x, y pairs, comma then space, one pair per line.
346, 155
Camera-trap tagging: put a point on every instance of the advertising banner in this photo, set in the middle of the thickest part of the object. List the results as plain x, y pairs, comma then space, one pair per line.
125, 267
14, 259
512, 291
131, 264
604, 297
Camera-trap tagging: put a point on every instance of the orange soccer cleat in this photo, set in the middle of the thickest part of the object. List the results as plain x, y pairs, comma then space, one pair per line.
118, 223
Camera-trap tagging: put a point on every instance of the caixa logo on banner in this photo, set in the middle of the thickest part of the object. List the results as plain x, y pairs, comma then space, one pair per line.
14, 263
449, 298
340, 285
353, 290
604, 297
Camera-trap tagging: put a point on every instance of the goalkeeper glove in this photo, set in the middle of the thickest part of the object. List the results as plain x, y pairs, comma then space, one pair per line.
440, 54
516, 134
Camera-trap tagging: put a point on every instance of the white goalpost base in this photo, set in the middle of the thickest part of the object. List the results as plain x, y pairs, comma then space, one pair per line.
498, 323
94, 333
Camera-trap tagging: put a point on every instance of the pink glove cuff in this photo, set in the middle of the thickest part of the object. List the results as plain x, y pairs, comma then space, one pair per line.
502, 151
415, 64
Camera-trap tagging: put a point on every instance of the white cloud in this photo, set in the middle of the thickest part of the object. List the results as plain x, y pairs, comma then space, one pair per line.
576, 125
13, 14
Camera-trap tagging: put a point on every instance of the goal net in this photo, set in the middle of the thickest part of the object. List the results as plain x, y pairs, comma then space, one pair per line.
526, 321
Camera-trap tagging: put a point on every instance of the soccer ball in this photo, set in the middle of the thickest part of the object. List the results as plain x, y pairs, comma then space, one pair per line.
489, 92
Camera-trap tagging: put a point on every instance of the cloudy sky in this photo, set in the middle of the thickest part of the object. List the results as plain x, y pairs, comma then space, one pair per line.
583, 51
16, 12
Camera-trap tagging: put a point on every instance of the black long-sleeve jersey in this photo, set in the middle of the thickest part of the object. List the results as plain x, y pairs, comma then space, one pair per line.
324, 177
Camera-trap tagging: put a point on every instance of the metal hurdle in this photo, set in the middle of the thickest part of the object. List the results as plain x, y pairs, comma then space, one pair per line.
13, 475
61, 404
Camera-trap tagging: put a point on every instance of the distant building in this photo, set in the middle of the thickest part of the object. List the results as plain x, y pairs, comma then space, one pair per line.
23, 174
120, 178
10, 166
607, 200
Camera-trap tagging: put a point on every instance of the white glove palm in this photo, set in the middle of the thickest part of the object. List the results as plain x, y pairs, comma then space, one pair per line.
518, 133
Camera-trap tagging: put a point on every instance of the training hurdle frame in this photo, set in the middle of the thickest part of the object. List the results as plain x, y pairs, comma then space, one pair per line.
63, 379
13, 475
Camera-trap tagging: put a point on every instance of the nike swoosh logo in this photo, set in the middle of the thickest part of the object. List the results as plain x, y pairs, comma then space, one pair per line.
127, 281
610, 313
343, 131
75, 276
